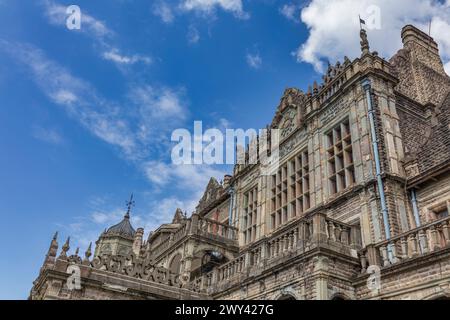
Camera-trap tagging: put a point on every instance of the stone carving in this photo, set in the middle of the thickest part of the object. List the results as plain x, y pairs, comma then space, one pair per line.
293, 99
140, 267
333, 111
292, 143
365, 48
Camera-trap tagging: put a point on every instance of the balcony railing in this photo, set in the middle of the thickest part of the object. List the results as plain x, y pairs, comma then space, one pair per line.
302, 236
215, 229
203, 227
415, 243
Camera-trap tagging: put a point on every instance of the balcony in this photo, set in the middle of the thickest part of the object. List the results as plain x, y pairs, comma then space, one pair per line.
418, 242
203, 228
291, 243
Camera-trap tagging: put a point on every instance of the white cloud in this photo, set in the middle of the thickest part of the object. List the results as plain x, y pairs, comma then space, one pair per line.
136, 129
115, 56
48, 135
102, 36
164, 11
193, 35
290, 11
160, 110
334, 27
192, 177
447, 68
107, 217
209, 6
79, 98
254, 60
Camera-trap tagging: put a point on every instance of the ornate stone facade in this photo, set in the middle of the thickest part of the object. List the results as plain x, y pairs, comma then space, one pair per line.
358, 208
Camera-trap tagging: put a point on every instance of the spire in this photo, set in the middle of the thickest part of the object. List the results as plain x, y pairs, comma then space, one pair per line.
65, 248
52, 250
87, 254
130, 204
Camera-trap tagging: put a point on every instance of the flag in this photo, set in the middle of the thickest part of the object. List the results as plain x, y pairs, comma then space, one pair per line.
361, 22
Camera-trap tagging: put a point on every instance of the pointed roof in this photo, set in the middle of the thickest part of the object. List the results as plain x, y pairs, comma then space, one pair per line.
178, 217
213, 191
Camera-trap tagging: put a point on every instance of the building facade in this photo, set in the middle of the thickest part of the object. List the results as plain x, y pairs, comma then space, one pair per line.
357, 209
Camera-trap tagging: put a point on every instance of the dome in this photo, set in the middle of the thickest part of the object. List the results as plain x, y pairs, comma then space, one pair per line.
123, 228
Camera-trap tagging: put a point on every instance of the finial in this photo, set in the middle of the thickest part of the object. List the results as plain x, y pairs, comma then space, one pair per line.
65, 247
88, 252
77, 250
315, 87
346, 61
130, 204
53, 249
365, 48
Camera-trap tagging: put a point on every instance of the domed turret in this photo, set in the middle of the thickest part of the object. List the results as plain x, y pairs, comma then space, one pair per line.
118, 239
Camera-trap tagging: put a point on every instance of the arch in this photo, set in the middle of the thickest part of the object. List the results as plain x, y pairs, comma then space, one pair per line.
339, 296
206, 258
287, 294
175, 264
286, 297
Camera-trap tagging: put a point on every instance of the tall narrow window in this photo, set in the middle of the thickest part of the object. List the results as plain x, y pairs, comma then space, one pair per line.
299, 196
250, 215
279, 197
341, 170
290, 193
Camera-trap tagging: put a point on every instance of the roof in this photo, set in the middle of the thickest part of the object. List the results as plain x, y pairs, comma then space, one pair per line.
123, 228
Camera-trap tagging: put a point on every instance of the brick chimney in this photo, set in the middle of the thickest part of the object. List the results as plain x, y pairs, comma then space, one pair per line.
423, 48
420, 68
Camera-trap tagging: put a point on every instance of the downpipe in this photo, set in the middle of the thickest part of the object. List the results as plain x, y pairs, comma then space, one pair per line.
367, 88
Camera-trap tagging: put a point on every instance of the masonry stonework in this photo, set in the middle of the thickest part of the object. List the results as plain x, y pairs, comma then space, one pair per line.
357, 209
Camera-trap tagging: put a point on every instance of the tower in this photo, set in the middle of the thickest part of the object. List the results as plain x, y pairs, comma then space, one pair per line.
118, 239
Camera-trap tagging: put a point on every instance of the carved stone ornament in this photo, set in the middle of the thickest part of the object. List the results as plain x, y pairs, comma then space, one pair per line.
136, 267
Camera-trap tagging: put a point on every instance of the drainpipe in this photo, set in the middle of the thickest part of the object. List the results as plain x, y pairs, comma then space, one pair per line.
367, 87
415, 207
230, 211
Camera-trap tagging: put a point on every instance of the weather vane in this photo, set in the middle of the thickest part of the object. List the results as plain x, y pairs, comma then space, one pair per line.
130, 203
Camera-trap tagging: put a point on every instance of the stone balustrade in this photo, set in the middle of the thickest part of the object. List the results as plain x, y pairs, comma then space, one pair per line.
200, 226
216, 229
415, 243
289, 242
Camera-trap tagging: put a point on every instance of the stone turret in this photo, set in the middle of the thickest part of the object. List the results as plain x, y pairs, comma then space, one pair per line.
118, 239
137, 244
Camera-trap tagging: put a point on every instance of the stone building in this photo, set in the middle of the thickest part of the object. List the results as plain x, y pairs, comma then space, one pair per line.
357, 209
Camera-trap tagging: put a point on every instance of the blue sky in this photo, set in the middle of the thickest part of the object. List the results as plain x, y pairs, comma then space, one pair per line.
86, 115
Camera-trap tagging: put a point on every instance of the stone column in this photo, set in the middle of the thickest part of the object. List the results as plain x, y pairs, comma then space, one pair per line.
319, 228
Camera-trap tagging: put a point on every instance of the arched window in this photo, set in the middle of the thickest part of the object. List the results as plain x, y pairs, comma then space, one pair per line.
175, 264
287, 297
339, 296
